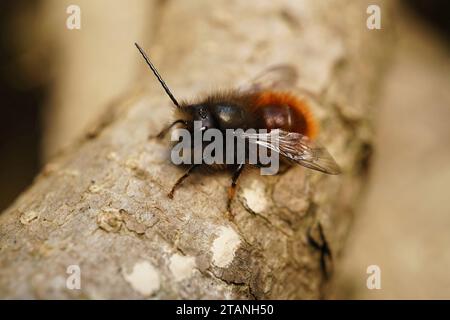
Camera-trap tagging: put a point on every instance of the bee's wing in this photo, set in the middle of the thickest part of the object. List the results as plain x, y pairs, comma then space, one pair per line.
277, 77
297, 148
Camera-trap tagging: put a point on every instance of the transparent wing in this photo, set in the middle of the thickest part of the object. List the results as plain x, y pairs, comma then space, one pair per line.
297, 148
279, 77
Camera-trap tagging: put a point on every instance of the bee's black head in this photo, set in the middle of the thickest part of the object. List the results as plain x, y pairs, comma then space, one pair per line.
198, 112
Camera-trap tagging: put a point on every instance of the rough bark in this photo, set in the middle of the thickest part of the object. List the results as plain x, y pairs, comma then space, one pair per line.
102, 203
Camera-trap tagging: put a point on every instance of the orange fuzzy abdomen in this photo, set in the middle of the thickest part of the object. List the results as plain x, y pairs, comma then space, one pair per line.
282, 110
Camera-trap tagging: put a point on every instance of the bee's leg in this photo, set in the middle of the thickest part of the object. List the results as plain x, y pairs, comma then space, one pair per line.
181, 179
232, 189
164, 131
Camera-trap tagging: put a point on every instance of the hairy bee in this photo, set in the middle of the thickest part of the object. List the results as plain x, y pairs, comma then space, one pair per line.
263, 103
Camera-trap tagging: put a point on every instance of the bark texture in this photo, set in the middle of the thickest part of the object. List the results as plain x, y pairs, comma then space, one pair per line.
102, 203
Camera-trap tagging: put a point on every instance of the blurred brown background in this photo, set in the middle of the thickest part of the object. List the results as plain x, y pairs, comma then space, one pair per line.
404, 223
55, 82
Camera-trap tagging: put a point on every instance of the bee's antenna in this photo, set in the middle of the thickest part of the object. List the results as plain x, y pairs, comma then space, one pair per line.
164, 85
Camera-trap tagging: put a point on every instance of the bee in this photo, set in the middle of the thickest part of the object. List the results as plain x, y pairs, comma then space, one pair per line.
263, 103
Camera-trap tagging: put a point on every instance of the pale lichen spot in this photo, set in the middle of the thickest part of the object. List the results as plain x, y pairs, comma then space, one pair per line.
255, 197
181, 266
144, 278
28, 216
131, 164
112, 156
110, 220
95, 188
224, 247
134, 188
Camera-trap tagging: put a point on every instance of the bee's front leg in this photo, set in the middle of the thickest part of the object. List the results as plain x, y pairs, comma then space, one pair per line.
165, 130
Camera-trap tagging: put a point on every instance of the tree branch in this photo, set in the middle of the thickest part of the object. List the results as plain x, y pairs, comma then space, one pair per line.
102, 203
